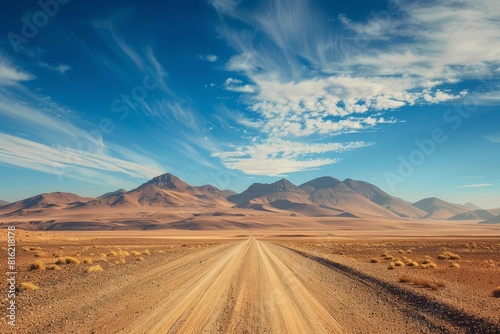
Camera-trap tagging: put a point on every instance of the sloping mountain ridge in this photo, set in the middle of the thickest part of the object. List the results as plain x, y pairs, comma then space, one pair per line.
439, 209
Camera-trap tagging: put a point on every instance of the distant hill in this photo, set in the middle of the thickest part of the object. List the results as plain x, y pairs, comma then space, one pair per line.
167, 197
472, 206
165, 190
439, 209
2, 203
55, 200
492, 220
473, 215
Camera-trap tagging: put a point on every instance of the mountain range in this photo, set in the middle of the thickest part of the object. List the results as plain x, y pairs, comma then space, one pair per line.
167, 195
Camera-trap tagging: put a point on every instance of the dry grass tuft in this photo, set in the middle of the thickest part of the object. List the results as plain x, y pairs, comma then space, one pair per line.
423, 282
399, 264
94, 269
496, 292
455, 265
87, 261
112, 253
38, 265
123, 253
140, 258
67, 260
25, 248
27, 287
448, 256
136, 253
40, 254
412, 264
391, 266
54, 267
120, 261
161, 252
146, 252
375, 260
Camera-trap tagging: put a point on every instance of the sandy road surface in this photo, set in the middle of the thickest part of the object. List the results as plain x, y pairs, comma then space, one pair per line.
244, 286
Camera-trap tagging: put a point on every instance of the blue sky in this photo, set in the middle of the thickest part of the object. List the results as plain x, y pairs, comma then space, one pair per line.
402, 94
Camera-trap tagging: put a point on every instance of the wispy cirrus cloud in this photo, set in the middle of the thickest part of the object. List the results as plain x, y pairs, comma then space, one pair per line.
72, 163
493, 138
476, 185
10, 75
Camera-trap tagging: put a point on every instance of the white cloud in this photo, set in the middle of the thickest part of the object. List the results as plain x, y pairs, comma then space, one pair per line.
63, 68
310, 80
277, 156
10, 75
477, 185
236, 85
212, 58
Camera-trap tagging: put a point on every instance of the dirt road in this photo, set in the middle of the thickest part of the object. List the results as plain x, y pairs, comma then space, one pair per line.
245, 286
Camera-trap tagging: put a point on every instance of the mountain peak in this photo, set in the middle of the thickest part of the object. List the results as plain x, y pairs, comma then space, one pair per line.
168, 181
320, 183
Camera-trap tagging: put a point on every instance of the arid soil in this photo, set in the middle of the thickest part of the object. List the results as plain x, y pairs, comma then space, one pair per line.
253, 284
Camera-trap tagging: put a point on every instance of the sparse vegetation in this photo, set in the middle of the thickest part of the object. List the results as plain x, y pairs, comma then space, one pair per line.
455, 265
140, 258
448, 256
136, 253
27, 287
112, 253
121, 261
96, 268
54, 267
391, 266
87, 261
40, 254
374, 260
412, 264
423, 282
67, 260
38, 265
146, 252
399, 263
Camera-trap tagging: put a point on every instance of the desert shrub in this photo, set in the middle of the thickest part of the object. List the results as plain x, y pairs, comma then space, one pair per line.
375, 260
112, 253
412, 264
391, 266
40, 254
399, 263
38, 265
423, 282
27, 287
123, 253
136, 253
87, 261
103, 254
448, 256
54, 267
496, 292
161, 252
408, 251
454, 265
25, 248
146, 252
120, 261
67, 260
140, 258
94, 269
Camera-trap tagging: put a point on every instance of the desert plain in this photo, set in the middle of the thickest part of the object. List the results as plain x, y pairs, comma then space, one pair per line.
340, 277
